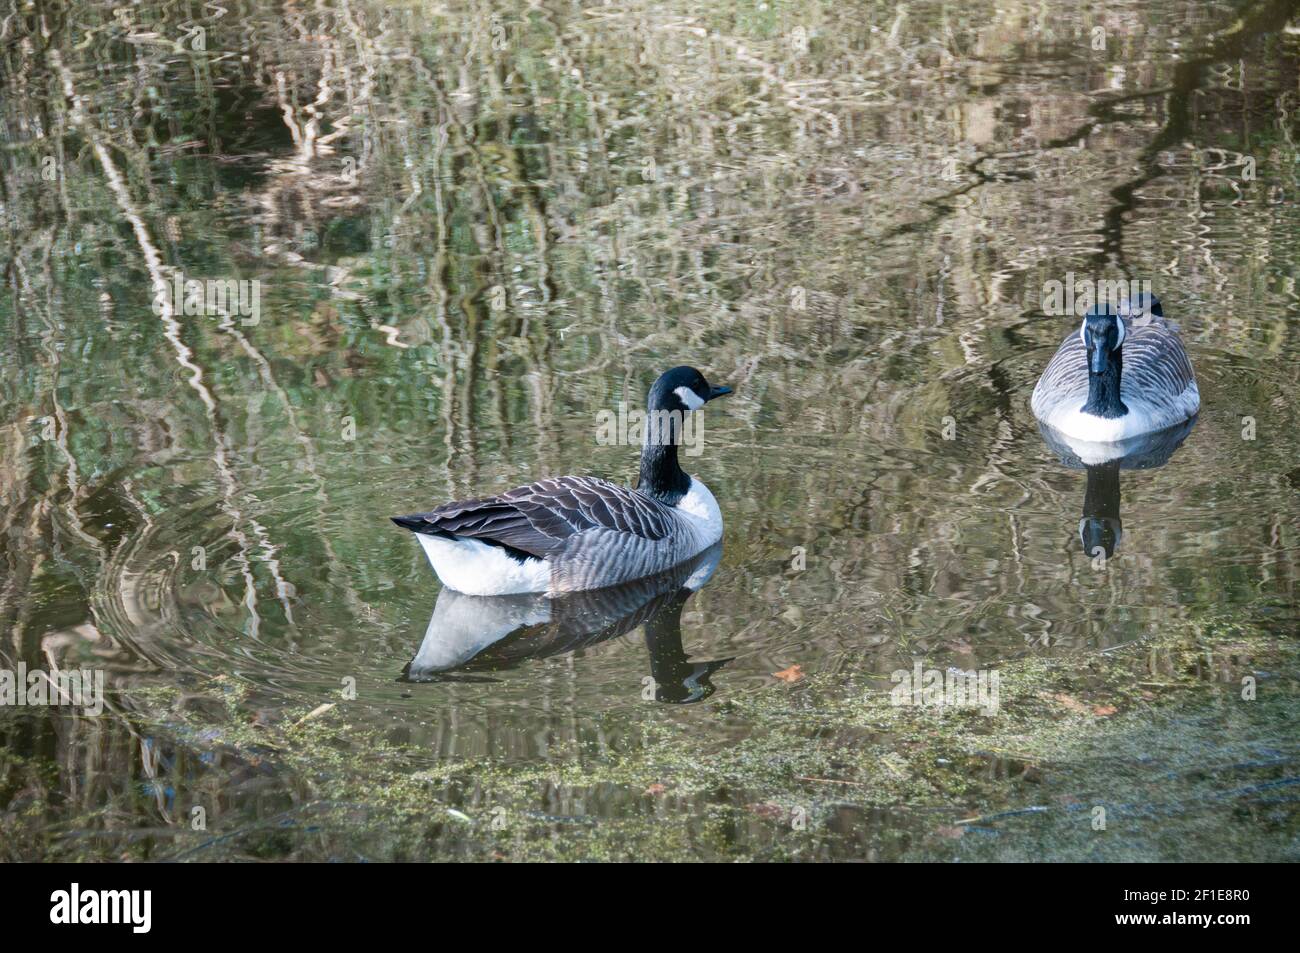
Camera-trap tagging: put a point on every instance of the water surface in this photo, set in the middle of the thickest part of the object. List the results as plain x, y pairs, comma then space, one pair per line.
474, 230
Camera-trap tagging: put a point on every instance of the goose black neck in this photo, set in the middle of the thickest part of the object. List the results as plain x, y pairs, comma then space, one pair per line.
1103, 388
661, 476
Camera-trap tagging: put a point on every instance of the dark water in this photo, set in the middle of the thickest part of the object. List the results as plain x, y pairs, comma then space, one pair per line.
474, 232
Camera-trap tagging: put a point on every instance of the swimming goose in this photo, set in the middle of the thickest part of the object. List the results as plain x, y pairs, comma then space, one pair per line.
573, 533
1122, 374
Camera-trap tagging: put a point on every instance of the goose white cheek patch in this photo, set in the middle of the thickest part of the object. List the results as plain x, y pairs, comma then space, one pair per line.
692, 400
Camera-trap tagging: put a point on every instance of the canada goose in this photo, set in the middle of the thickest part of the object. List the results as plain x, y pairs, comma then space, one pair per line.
573, 533
471, 635
1122, 374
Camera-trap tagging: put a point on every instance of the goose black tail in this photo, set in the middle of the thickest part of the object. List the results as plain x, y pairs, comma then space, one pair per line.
418, 524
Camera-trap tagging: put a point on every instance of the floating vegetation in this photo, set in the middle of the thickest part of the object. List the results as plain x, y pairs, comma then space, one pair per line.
1127, 754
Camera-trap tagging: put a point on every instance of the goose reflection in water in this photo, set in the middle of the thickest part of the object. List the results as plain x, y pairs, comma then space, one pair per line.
474, 634
1100, 529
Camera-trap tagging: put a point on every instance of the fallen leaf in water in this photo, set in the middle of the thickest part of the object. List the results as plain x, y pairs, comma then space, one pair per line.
314, 713
1104, 710
655, 789
791, 674
1070, 702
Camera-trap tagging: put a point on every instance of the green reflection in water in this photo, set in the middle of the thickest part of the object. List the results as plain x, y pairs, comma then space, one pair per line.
473, 231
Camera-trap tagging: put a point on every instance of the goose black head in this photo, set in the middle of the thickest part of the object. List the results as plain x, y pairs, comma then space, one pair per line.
672, 398
1102, 334
683, 389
